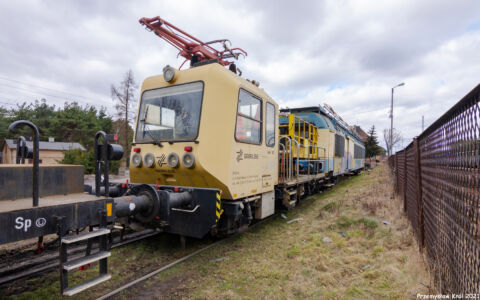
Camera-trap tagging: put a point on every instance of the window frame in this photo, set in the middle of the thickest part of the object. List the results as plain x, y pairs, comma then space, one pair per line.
358, 152
342, 148
172, 141
237, 113
274, 124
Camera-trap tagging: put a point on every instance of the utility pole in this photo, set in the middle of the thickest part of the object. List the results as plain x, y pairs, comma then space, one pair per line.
423, 123
391, 121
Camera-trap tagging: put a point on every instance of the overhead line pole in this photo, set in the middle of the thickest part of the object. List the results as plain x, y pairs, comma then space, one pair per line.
390, 150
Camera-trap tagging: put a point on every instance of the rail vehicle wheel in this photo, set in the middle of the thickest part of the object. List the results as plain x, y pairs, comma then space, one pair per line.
312, 188
319, 185
334, 180
301, 192
232, 224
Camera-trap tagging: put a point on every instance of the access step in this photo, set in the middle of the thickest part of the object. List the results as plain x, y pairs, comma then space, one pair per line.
77, 263
85, 236
86, 285
292, 192
329, 184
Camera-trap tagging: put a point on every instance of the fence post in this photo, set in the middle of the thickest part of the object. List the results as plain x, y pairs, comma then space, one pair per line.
405, 180
418, 178
397, 188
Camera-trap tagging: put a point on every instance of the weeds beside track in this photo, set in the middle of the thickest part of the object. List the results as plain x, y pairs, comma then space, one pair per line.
310, 258
339, 248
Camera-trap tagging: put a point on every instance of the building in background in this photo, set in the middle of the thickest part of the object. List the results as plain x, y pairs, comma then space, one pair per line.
360, 133
51, 152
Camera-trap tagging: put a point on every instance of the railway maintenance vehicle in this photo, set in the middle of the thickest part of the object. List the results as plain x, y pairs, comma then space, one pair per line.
211, 153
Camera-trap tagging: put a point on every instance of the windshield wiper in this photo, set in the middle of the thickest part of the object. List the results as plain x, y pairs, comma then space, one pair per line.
154, 141
157, 143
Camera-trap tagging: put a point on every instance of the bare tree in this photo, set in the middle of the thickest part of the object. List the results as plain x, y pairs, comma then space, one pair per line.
124, 97
396, 138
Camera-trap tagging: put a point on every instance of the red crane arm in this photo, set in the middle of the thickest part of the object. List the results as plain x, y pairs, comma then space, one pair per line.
188, 45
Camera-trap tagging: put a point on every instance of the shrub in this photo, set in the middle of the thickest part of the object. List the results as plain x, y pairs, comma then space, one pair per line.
78, 157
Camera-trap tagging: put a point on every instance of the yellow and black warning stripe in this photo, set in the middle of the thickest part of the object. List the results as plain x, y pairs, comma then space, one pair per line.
219, 207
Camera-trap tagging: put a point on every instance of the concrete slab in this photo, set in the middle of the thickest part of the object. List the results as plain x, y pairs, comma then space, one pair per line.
25, 203
16, 180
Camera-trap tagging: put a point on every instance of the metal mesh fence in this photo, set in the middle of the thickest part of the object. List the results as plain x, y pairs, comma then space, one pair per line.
411, 187
400, 172
438, 177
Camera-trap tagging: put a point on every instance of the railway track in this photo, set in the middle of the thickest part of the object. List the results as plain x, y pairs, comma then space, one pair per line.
180, 260
33, 265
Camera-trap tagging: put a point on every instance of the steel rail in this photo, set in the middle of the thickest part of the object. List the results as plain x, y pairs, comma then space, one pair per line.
180, 260
24, 269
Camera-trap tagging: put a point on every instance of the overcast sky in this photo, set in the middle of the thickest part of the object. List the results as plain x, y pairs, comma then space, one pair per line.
347, 54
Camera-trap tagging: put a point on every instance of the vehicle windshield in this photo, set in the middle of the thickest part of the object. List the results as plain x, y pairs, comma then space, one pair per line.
170, 114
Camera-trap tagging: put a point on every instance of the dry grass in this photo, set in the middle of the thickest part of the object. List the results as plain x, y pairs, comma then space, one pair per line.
339, 250
365, 259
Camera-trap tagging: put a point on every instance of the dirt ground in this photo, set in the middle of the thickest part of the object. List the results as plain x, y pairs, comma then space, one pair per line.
350, 242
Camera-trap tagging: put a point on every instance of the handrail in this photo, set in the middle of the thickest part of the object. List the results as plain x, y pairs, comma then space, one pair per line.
36, 136
290, 159
282, 169
297, 160
187, 210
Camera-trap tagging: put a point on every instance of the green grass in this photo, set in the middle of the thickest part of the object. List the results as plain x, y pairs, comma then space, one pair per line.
330, 206
277, 260
295, 260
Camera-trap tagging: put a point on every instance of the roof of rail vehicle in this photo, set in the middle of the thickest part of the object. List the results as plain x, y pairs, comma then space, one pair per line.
200, 73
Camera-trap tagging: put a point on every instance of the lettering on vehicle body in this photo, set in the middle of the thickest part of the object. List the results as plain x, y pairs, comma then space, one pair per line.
242, 156
26, 224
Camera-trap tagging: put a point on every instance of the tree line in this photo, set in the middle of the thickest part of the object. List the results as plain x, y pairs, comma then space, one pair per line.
75, 123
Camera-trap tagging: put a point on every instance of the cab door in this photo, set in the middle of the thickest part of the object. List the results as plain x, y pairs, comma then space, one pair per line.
249, 148
270, 156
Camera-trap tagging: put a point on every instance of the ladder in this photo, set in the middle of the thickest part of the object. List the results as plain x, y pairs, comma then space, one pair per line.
101, 256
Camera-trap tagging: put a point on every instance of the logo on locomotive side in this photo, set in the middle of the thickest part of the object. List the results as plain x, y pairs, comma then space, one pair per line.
239, 156
161, 160
242, 156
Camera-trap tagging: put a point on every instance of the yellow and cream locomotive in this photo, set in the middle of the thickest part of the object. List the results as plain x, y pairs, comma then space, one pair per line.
206, 127
211, 153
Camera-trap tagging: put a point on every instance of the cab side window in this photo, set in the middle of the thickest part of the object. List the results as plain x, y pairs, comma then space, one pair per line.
249, 118
270, 125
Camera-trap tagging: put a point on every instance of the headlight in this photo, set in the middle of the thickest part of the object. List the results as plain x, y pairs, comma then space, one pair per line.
172, 160
168, 73
137, 160
149, 160
188, 160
